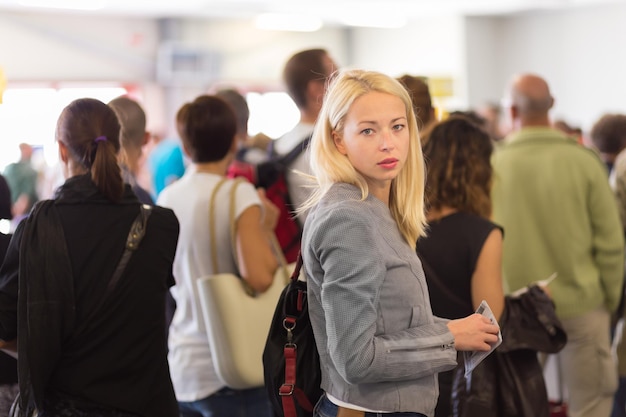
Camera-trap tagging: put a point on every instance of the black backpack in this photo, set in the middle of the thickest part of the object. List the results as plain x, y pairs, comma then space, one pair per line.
290, 359
271, 175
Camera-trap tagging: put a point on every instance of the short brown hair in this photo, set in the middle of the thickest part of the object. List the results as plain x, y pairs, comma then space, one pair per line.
302, 68
207, 127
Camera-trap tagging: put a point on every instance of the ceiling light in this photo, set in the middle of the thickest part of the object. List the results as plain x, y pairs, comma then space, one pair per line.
374, 21
288, 22
65, 4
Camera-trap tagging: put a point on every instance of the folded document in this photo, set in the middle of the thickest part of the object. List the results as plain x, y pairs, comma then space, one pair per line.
472, 359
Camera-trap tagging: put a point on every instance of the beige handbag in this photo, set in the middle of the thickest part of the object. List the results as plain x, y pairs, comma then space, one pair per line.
237, 321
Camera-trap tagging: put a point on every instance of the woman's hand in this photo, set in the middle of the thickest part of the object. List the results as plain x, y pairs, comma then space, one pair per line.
475, 332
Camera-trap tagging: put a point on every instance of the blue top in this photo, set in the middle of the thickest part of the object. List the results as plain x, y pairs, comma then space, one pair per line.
166, 164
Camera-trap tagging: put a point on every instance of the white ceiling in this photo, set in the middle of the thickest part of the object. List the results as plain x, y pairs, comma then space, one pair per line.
329, 11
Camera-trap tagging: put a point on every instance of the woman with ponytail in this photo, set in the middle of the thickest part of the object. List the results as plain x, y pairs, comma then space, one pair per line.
83, 299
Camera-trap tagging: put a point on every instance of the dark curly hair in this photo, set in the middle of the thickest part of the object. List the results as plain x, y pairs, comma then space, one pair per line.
608, 134
459, 172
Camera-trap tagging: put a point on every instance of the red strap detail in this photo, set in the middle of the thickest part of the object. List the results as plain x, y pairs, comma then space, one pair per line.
300, 300
286, 390
289, 322
302, 399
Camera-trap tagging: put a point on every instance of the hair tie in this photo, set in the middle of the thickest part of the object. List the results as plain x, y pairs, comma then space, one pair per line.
100, 139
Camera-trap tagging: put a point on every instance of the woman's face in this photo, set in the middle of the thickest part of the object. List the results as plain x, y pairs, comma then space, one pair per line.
376, 139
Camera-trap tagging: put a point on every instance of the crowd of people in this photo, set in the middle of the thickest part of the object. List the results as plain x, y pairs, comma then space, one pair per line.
410, 223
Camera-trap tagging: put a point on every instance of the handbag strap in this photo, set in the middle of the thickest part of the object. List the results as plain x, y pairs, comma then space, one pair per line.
289, 393
135, 235
233, 229
212, 220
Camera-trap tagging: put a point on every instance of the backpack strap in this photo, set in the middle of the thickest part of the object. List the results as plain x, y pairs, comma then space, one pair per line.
296, 151
266, 173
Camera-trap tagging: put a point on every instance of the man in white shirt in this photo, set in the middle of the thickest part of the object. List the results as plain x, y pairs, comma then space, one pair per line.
305, 75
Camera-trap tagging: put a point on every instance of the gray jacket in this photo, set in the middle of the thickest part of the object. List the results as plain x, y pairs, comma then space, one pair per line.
380, 345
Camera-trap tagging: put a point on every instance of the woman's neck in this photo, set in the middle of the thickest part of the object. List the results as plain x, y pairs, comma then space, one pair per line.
443, 211
217, 168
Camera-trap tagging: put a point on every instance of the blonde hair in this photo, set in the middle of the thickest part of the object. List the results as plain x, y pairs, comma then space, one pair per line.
329, 166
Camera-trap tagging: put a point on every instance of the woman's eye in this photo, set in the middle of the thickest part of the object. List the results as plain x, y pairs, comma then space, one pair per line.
398, 127
367, 131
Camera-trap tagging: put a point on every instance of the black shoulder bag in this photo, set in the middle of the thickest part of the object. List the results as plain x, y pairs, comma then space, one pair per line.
290, 360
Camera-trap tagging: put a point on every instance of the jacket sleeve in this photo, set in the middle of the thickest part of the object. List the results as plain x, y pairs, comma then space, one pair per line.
9, 287
354, 271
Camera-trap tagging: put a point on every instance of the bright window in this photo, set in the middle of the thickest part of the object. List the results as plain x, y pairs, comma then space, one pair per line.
29, 115
272, 113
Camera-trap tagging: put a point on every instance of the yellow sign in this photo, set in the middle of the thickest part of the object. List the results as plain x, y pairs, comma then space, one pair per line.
441, 86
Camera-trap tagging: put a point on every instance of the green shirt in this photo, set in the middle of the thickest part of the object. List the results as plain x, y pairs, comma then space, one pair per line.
552, 197
22, 179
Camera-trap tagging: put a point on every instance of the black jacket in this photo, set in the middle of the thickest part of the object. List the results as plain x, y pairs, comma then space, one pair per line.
509, 382
62, 258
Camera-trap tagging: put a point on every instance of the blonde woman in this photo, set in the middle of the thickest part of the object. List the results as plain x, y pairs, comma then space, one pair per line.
380, 345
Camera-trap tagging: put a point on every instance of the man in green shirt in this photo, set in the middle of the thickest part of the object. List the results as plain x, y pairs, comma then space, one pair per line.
559, 215
22, 180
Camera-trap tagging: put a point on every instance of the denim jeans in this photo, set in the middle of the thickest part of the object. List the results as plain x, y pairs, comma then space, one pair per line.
619, 402
325, 408
228, 402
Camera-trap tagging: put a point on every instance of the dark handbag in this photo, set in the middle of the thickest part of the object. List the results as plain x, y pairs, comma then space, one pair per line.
24, 407
290, 359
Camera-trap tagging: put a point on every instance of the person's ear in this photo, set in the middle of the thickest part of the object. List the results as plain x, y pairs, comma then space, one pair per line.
235, 144
316, 90
146, 139
339, 144
63, 152
185, 151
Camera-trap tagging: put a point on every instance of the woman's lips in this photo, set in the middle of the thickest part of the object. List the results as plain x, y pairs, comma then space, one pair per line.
388, 163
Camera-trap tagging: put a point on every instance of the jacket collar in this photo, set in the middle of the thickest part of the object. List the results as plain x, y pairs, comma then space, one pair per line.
81, 189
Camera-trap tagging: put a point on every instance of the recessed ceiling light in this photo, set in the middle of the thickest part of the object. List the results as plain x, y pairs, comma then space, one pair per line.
65, 4
288, 22
374, 21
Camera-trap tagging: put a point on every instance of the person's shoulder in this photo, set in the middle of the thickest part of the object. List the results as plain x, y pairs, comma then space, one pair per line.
343, 204
142, 194
165, 217
242, 183
175, 189
8, 170
470, 224
583, 154
293, 138
620, 164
